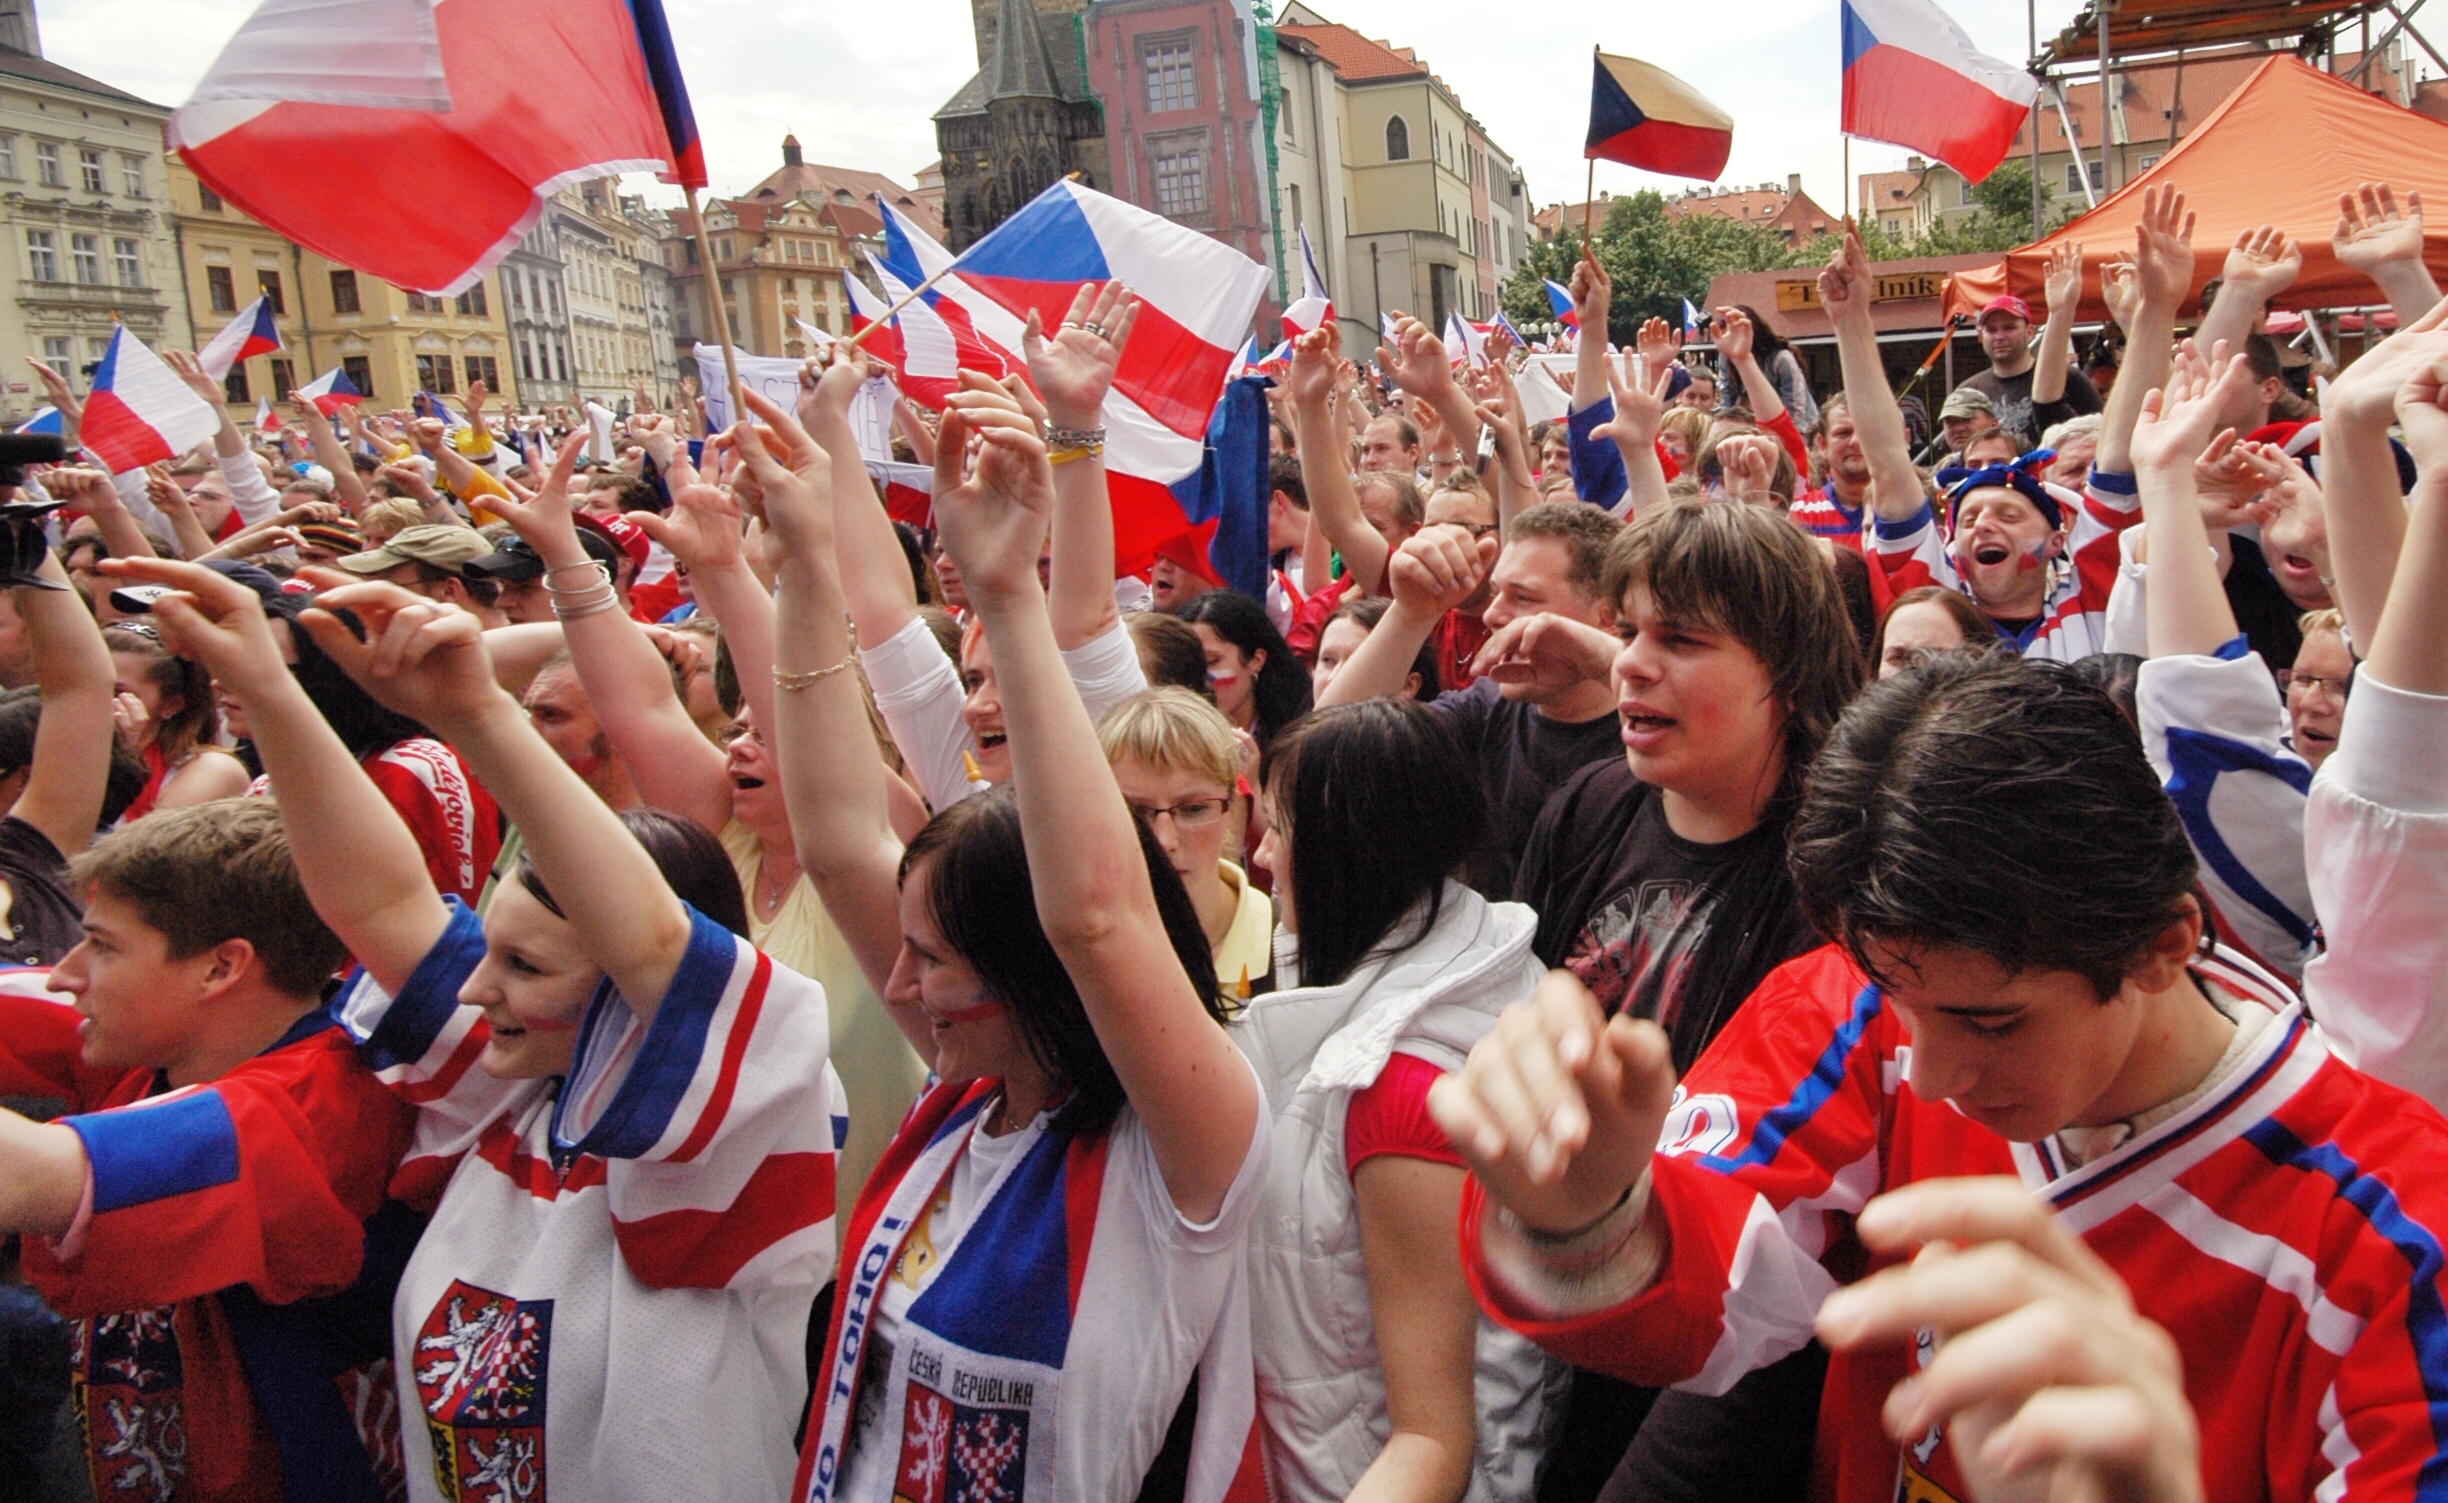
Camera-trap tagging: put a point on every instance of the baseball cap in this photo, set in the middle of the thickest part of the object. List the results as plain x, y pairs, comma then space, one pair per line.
2006, 302
1965, 401
622, 533
445, 546
512, 561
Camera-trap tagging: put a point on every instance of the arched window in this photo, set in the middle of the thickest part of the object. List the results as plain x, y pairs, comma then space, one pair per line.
1398, 140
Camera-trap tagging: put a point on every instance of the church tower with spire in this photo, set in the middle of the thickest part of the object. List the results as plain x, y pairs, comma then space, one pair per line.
1026, 120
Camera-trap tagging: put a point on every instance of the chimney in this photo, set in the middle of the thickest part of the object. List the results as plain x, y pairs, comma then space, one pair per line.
790, 151
1793, 184
1915, 164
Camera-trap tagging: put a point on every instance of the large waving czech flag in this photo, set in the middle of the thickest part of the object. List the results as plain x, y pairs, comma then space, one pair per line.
1912, 77
468, 115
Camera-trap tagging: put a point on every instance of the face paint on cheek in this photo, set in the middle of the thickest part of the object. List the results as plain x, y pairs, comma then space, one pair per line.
2034, 557
975, 1013
1221, 680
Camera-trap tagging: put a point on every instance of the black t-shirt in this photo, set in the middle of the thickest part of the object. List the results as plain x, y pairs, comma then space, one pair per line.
40, 919
1624, 902
2263, 613
1523, 757
2011, 396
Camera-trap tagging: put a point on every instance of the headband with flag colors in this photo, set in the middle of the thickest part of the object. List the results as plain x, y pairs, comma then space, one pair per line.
1196, 298
331, 391
1560, 303
1913, 78
248, 335
1313, 307
139, 410
1643, 116
486, 107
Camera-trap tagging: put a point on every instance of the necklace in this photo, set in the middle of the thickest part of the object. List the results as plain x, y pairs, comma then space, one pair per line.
770, 890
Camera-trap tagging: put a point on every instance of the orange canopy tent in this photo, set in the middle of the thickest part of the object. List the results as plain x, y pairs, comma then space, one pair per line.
2278, 151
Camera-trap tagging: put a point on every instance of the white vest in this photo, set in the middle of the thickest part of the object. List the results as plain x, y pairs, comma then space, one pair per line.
1321, 1387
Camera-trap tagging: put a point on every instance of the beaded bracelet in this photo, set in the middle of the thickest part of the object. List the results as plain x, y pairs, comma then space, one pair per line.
794, 682
1074, 438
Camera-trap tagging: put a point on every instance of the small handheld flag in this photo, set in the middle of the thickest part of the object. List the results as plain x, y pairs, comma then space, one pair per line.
1313, 307
1559, 300
139, 410
46, 419
267, 422
331, 391
1691, 319
1643, 116
1912, 77
250, 334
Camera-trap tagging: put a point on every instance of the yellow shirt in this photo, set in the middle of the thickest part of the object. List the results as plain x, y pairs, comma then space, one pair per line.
1248, 947
878, 1068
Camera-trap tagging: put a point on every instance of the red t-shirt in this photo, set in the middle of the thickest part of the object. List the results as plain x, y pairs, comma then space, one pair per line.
1458, 638
1391, 1116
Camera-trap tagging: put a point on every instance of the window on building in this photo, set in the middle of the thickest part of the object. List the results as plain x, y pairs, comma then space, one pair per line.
1172, 77
284, 376
220, 289
234, 385
89, 169
60, 355
2075, 172
1298, 223
1286, 107
344, 292
2150, 161
472, 302
85, 254
1398, 140
1181, 180
207, 199
482, 368
8, 156
723, 249
127, 257
42, 255
131, 175
419, 303
268, 282
360, 373
688, 252
47, 164
436, 373
526, 358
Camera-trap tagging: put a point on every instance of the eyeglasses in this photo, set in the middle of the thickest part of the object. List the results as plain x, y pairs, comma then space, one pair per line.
1188, 816
2291, 679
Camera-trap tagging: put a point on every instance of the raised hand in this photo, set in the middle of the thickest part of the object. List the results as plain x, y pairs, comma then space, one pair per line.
420, 657
1844, 283
544, 517
2163, 248
703, 527
1417, 360
1639, 388
2422, 412
1732, 332
1558, 1109
210, 619
994, 494
62, 397
2179, 421
83, 488
2262, 263
2121, 290
1592, 292
2049, 1383
2373, 232
2061, 284
792, 474
1075, 369
1315, 362
1746, 464
1657, 343
1437, 568
191, 371
1554, 652
2368, 387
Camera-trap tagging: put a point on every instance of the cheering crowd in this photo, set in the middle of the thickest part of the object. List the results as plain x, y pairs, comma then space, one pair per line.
1722, 946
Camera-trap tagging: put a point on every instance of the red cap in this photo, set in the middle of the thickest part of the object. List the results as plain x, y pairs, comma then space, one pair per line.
625, 534
2005, 302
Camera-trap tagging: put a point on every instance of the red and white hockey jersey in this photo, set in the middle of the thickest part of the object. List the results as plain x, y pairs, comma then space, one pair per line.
221, 1221
611, 1300
2286, 1229
2073, 619
455, 822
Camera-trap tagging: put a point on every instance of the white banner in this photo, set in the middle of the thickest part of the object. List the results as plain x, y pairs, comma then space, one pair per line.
773, 377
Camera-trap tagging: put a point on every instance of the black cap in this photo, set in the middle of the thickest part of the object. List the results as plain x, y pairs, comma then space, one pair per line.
513, 561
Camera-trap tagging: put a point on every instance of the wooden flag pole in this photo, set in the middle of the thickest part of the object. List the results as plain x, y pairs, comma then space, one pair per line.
1589, 194
1846, 187
714, 307
859, 337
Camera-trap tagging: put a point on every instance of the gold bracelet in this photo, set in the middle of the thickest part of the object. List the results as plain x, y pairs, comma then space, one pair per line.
794, 682
1075, 453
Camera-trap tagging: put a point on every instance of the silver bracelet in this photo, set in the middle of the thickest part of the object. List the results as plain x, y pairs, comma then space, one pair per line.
607, 601
1074, 438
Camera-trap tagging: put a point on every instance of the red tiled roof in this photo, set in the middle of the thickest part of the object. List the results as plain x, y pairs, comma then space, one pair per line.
1355, 56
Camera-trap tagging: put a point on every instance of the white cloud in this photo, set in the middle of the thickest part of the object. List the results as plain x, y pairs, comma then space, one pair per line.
860, 84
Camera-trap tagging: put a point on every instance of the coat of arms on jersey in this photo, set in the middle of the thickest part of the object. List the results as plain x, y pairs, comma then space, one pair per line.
481, 1360
953, 1453
129, 1384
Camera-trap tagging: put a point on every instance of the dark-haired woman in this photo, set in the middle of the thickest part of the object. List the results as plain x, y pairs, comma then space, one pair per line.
1259, 685
625, 1112
1377, 1378
1660, 881
1772, 357
165, 709
1927, 619
1053, 1243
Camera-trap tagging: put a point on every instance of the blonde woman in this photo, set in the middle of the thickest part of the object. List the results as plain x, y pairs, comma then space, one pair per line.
1179, 765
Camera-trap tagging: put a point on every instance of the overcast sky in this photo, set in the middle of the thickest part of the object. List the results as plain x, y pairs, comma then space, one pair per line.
859, 84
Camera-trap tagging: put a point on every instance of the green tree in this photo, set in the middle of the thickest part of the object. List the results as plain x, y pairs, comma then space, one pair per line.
1655, 259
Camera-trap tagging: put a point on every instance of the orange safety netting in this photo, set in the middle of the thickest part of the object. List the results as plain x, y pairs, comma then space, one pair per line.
2278, 151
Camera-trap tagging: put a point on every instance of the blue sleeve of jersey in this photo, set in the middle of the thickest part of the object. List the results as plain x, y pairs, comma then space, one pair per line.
401, 1030
665, 1062
150, 1153
1597, 465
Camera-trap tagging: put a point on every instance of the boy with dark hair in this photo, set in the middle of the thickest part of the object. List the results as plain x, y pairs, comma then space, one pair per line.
203, 1213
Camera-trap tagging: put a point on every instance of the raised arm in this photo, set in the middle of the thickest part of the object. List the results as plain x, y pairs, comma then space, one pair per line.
2385, 243
670, 761
1640, 406
70, 773
874, 573
2409, 646
1418, 362
2187, 609
1072, 373
1896, 492
2163, 271
1500, 409
2056, 357
1735, 339
833, 782
427, 661
2262, 263
1593, 292
331, 454
1192, 1089
2366, 518
360, 865
92, 492
1435, 570
1334, 506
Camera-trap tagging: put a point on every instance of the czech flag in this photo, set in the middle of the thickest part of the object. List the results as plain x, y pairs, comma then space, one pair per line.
1196, 299
46, 419
1644, 116
139, 410
1465, 342
248, 335
1559, 299
944, 332
1911, 77
1313, 307
331, 391
267, 422
486, 108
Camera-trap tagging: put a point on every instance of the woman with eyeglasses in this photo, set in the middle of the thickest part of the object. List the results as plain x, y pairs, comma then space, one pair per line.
1179, 765
2316, 686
